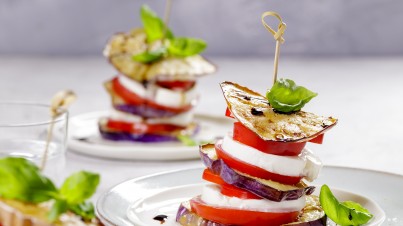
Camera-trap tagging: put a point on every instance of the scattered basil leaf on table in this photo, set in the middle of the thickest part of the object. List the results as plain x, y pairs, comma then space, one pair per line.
153, 25
285, 96
187, 140
342, 213
150, 56
21, 180
183, 47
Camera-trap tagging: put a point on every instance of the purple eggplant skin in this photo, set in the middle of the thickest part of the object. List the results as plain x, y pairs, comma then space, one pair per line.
145, 138
144, 111
230, 176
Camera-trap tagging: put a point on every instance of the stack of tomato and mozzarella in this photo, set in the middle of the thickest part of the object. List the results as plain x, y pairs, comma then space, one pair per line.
152, 102
257, 172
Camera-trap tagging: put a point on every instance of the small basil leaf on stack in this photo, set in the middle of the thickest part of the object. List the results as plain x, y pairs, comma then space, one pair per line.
285, 96
21, 180
345, 213
150, 56
183, 47
58, 207
85, 210
153, 25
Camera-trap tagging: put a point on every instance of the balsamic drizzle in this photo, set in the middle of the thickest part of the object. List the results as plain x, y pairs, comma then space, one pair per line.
161, 218
256, 112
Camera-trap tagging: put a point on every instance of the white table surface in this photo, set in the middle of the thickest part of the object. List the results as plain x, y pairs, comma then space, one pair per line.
365, 94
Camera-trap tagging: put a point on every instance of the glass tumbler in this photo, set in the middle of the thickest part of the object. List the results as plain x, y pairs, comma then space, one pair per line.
23, 133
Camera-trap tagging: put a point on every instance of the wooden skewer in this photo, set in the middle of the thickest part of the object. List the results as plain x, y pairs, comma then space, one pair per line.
278, 36
59, 104
167, 14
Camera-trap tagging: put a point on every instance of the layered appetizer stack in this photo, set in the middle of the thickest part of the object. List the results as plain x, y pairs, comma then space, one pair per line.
257, 172
155, 91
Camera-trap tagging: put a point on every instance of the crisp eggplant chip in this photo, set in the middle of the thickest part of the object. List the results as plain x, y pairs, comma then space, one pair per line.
122, 46
16, 213
254, 111
180, 68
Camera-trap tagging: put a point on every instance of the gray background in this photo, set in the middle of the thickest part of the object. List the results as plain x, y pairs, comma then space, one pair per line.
231, 27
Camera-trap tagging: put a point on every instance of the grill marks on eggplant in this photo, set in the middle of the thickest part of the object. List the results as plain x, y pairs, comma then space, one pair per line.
268, 124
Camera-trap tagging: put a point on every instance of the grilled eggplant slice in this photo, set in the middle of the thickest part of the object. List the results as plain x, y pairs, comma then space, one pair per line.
122, 46
254, 111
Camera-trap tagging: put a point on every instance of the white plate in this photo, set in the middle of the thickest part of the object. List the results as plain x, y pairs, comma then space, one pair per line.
84, 138
382, 188
166, 203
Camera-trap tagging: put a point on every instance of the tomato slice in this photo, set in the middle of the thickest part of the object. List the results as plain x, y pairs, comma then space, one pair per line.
134, 99
140, 127
230, 216
228, 113
228, 189
248, 137
252, 170
125, 94
318, 139
176, 84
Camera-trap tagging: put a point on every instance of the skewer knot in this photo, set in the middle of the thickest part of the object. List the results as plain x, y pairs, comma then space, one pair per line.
278, 35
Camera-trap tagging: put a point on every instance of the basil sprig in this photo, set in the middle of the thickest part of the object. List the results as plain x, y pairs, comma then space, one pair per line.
153, 25
183, 47
342, 213
150, 56
285, 96
155, 28
22, 180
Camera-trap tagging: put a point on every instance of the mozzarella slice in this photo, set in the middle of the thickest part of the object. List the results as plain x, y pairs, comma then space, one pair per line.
123, 116
183, 119
132, 86
162, 96
171, 98
306, 164
212, 196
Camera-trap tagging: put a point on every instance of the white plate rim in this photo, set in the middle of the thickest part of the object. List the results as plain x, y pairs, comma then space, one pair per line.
103, 196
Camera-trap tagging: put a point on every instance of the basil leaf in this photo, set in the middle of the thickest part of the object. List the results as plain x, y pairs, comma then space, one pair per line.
85, 210
187, 140
285, 96
58, 207
79, 187
345, 213
183, 47
22, 180
150, 56
153, 25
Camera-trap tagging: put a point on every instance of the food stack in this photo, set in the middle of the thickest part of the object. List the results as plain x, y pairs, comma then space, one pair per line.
154, 93
258, 171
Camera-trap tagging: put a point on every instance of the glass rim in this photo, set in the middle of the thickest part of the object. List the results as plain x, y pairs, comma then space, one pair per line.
34, 104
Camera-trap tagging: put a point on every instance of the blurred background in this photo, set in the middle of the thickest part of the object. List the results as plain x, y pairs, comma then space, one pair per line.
350, 52
231, 27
